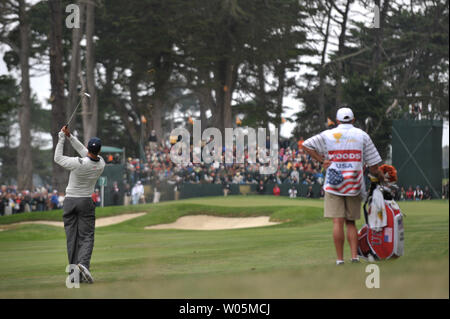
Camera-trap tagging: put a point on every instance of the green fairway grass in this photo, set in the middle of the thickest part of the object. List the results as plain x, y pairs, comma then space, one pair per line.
295, 259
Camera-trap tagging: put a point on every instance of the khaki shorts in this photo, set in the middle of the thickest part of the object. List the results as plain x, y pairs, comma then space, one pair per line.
348, 207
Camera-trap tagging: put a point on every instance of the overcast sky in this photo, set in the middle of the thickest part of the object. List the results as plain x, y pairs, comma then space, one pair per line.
40, 83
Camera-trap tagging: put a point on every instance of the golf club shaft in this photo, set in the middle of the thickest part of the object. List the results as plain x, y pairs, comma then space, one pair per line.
74, 111
76, 108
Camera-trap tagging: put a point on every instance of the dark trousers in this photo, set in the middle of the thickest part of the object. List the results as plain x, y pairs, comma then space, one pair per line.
79, 224
115, 198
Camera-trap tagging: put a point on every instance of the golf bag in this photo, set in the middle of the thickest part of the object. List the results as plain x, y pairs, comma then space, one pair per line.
385, 240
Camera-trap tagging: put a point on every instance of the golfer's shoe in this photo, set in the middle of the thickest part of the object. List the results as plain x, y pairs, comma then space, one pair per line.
82, 280
85, 274
355, 260
339, 262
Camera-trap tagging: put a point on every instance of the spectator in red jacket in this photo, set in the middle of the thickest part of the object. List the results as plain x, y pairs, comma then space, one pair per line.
96, 197
276, 190
409, 193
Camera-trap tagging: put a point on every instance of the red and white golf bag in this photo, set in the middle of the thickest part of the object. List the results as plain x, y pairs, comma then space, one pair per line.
382, 237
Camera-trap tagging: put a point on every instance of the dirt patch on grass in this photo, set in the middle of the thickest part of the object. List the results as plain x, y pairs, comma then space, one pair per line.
205, 222
100, 222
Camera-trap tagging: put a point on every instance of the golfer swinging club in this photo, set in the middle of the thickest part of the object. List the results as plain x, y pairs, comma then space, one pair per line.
79, 208
343, 151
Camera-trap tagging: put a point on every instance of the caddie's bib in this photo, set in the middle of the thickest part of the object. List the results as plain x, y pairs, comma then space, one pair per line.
344, 148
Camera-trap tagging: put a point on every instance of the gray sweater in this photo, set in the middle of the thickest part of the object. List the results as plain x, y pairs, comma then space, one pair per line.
84, 172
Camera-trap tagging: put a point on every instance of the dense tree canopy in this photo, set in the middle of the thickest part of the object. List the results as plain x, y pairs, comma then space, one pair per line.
153, 64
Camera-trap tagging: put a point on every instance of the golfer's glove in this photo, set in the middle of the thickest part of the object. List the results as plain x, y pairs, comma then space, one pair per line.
61, 136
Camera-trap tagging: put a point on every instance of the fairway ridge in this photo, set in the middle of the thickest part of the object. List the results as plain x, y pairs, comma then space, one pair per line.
100, 222
206, 222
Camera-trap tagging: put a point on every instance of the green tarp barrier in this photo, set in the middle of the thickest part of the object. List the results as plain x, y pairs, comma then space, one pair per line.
417, 154
111, 149
113, 173
200, 190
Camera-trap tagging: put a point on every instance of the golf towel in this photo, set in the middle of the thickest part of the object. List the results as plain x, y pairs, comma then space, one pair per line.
377, 218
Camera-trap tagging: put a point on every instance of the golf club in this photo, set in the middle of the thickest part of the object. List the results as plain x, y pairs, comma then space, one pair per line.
74, 111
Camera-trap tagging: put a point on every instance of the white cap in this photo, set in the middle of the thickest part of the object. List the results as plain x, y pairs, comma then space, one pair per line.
344, 114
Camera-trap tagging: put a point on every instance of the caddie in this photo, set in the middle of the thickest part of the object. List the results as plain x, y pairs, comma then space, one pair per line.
343, 151
79, 208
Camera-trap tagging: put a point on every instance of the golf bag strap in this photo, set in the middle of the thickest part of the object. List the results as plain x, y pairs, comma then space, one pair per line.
368, 200
366, 217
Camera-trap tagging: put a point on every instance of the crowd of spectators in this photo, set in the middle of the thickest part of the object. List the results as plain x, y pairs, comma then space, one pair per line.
414, 194
13, 201
294, 167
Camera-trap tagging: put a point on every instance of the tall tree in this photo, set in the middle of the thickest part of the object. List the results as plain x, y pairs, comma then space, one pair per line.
322, 70
18, 40
139, 55
9, 103
24, 153
75, 63
316, 93
60, 175
90, 108
235, 49
344, 12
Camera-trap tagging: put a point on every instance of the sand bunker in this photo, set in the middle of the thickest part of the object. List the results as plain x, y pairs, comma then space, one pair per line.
100, 222
205, 222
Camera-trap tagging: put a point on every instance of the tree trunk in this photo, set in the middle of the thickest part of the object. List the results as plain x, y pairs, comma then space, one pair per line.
131, 126
24, 157
90, 69
60, 175
322, 74
203, 114
157, 109
379, 34
75, 62
218, 110
281, 75
340, 65
224, 92
261, 97
206, 100
228, 88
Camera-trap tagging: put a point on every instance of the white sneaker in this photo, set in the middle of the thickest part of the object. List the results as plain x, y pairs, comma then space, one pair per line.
85, 274
339, 262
